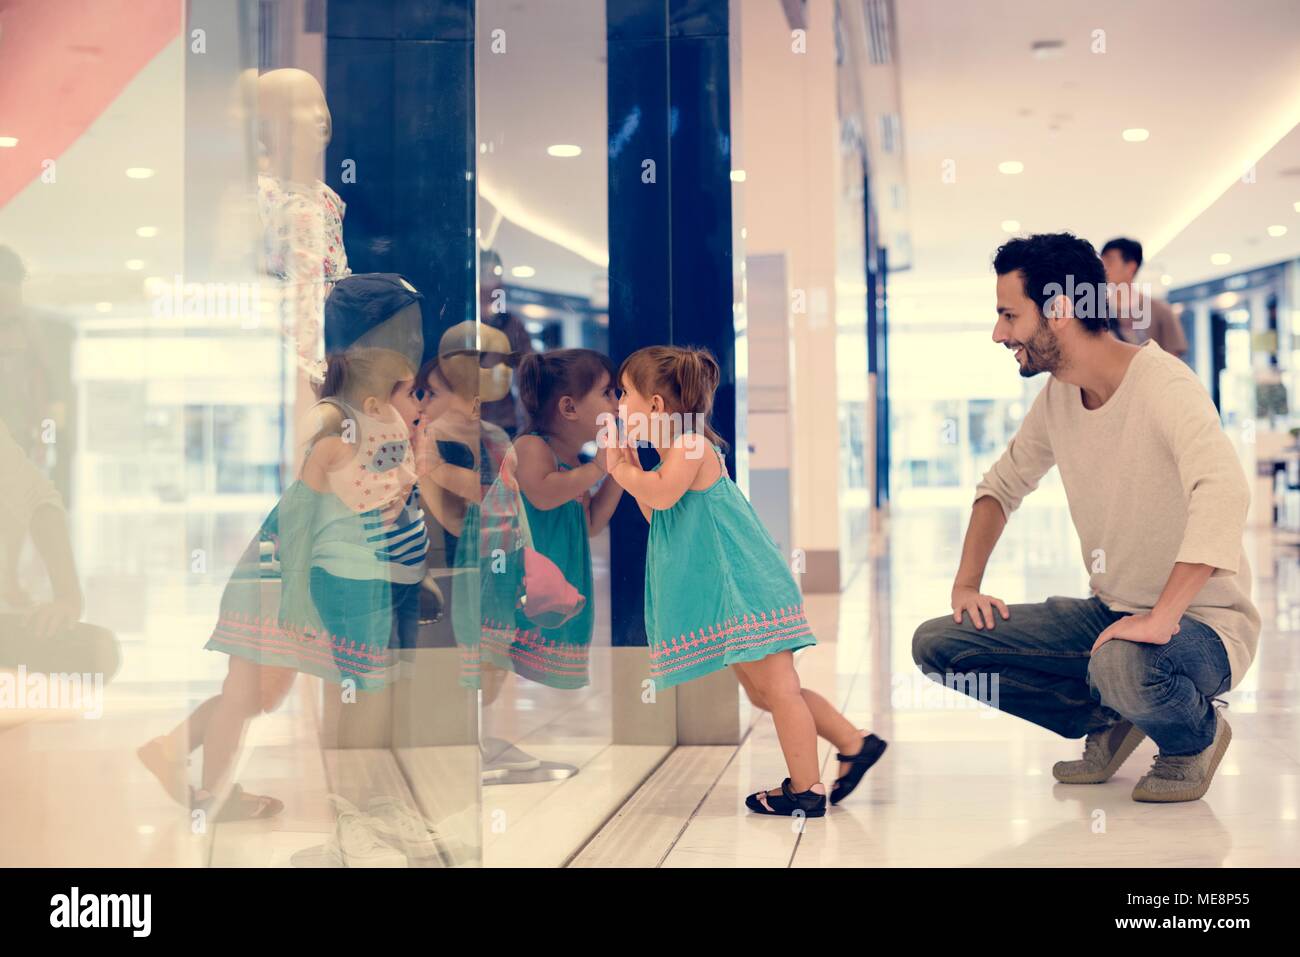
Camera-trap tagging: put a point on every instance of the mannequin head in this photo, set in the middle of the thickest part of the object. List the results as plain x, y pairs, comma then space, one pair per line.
473, 361
294, 124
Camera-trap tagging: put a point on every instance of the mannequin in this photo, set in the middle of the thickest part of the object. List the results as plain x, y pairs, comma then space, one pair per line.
302, 218
474, 361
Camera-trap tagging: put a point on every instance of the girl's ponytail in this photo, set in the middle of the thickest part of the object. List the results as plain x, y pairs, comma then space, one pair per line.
530, 376
698, 375
336, 374
687, 378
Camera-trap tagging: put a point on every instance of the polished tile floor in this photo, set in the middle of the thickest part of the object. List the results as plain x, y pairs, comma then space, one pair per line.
963, 785
960, 784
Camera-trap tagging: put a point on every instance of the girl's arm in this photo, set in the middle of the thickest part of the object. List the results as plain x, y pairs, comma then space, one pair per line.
620, 454
460, 481
327, 455
447, 508
603, 504
662, 489
546, 486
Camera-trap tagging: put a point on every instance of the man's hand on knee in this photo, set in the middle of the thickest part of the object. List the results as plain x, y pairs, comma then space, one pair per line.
979, 606
1146, 628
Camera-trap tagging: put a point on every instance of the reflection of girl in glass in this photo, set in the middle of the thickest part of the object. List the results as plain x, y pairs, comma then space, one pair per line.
345, 544
568, 396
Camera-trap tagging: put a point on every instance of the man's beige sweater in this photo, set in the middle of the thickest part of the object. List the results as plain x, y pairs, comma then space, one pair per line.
1151, 480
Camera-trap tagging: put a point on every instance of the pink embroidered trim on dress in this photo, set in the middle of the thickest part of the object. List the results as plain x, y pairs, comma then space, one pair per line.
695, 648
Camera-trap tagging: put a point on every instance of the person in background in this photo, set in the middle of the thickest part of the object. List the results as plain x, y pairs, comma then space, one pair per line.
1138, 318
45, 636
35, 395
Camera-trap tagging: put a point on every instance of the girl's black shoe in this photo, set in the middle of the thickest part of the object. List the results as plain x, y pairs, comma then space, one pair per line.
872, 748
787, 803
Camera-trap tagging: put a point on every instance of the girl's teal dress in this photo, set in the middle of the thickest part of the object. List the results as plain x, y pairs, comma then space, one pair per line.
556, 657
269, 614
718, 590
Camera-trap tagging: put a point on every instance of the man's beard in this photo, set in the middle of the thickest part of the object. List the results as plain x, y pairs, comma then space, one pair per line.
1042, 353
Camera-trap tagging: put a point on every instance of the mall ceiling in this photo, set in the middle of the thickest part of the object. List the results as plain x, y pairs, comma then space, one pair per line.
1052, 86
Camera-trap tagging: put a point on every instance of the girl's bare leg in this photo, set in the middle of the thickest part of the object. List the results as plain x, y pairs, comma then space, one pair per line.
834, 727
250, 689
831, 725
777, 683
189, 734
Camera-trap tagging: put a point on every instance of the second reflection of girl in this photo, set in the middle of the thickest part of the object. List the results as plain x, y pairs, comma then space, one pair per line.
568, 395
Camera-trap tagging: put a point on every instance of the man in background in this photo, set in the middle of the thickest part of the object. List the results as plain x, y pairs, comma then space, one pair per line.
35, 398
1138, 318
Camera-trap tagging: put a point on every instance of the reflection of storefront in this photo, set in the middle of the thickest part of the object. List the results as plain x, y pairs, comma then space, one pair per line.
1243, 334
558, 321
178, 458
954, 412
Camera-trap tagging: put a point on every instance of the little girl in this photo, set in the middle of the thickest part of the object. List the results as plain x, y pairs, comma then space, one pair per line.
568, 395
718, 591
349, 541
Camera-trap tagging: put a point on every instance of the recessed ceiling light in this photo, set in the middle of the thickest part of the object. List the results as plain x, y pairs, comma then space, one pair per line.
135, 265
146, 232
8, 142
564, 150
139, 172
1011, 167
103, 307
1166, 279
1135, 135
737, 175
1297, 207
1046, 49
1220, 259
1011, 225
1277, 231
523, 272
497, 270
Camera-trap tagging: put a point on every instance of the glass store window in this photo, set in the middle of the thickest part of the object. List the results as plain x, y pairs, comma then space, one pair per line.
168, 248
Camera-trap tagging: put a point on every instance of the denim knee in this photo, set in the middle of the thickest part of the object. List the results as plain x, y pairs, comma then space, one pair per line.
1119, 673
932, 644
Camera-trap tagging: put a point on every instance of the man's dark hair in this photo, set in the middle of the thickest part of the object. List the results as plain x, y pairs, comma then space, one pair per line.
1054, 264
11, 267
1130, 250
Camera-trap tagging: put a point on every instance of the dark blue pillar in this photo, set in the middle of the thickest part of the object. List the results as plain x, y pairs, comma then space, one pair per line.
670, 256
400, 87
